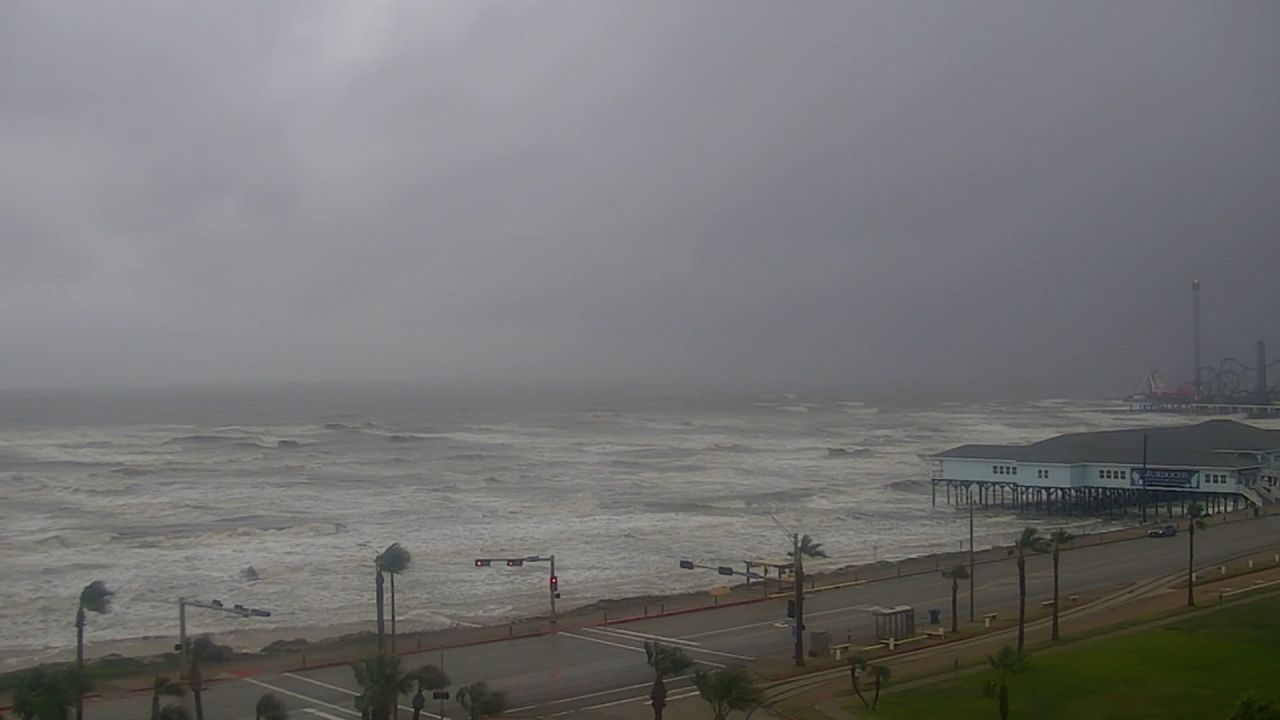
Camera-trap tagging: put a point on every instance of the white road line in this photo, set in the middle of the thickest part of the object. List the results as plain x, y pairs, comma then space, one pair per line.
341, 689
639, 698
633, 648
820, 613
689, 646
560, 701
646, 636
317, 713
300, 696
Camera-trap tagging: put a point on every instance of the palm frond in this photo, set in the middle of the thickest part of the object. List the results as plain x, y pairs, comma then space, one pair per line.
95, 597
395, 559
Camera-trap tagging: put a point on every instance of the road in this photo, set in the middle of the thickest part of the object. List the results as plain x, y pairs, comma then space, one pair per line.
599, 668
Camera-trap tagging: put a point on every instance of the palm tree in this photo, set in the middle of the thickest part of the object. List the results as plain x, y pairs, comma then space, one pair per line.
44, 695
804, 547
429, 677
94, 597
382, 682
174, 712
955, 574
479, 701
270, 707
1030, 541
727, 690
1057, 539
1195, 516
1005, 663
666, 662
1251, 708
880, 674
393, 561
163, 685
857, 666
202, 649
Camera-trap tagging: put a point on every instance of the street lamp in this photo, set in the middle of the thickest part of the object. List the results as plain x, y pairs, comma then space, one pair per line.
554, 582
216, 604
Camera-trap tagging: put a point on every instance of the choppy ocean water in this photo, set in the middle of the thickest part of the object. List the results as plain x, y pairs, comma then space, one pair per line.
162, 496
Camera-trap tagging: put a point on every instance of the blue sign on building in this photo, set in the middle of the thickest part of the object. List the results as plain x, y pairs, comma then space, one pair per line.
1163, 477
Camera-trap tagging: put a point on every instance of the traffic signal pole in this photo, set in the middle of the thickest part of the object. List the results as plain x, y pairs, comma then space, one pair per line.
554, 584
553, 581
798, 576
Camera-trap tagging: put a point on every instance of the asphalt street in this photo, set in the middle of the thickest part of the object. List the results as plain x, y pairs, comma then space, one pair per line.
603, 667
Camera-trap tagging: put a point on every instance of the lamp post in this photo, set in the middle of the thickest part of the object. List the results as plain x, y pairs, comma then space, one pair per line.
183, 604
554, 580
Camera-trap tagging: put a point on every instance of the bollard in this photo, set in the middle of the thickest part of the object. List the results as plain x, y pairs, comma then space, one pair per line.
891, 643
1222, 569
646, 610
1250, 564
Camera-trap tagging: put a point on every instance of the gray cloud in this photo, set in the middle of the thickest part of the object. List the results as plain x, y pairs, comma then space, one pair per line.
972, 196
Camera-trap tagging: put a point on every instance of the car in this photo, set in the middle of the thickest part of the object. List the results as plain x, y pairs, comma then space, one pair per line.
1166, 531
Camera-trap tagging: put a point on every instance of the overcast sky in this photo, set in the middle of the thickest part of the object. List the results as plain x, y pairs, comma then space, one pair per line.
972, 195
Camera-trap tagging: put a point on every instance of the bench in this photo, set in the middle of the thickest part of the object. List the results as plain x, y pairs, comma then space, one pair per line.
939, 633
986, 619
838, 651
1073, 598
1047, 603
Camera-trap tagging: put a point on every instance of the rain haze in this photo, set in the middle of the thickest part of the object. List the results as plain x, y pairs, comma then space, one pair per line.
1003, 197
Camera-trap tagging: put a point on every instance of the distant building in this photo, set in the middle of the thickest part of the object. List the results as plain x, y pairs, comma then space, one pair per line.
1218, 462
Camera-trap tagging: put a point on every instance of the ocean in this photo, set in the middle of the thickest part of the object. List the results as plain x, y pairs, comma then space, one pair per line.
164, 494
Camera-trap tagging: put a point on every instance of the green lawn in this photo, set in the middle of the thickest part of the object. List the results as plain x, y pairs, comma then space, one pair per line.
1194, 668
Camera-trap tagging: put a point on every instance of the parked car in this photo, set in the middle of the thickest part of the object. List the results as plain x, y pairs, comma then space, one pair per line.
1166, 531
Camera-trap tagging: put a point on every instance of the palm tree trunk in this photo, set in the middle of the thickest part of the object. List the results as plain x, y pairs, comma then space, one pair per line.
1022, 601
799, 574
1191, 563
875, 699
955, 613
155, 706
393, 613
1054, 635
658, 696
195, 695
853, 673
79, 662
379, 599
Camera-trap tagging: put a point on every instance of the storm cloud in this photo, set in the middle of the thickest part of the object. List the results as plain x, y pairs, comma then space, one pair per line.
994, 196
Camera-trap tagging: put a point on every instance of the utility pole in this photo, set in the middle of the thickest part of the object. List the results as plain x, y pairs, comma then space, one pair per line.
972, 564
799, 591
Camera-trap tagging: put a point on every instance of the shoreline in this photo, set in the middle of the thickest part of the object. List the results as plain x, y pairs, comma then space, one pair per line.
304, 647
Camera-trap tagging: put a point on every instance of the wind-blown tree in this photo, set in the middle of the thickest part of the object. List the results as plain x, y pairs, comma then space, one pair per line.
1004, 663
857, 666
174, 712
1251, 708
1030, 541
95, 598
393, 561
1058, 539
955, 574
805, 547
666, 661
270, 707
1195, 518
481, 702
203, 649
727, 690
163, 685
382, 681
880, 674
428, 677
44, 695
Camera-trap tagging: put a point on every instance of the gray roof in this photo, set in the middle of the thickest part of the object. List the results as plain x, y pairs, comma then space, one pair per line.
1215, 443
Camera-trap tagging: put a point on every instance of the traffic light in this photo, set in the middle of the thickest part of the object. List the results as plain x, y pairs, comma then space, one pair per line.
555, 584
482, 563
515, 562
686, 564
724, 570
440, 695
791, 608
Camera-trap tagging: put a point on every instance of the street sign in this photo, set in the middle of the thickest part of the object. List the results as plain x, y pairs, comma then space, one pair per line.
686, 564
723, 570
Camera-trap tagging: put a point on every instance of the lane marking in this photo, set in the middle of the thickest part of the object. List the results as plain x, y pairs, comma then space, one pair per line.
645, 636
317, 713
633, 648
670, 684
352, 693
689, 646
639, 698
300, 696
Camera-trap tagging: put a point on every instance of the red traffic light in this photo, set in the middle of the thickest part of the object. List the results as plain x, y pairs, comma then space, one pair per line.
482, 563
555, 583
516, 562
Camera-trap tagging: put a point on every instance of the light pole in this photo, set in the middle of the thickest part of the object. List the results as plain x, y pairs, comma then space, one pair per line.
519, 562
969, 492
183, 604
798, 584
